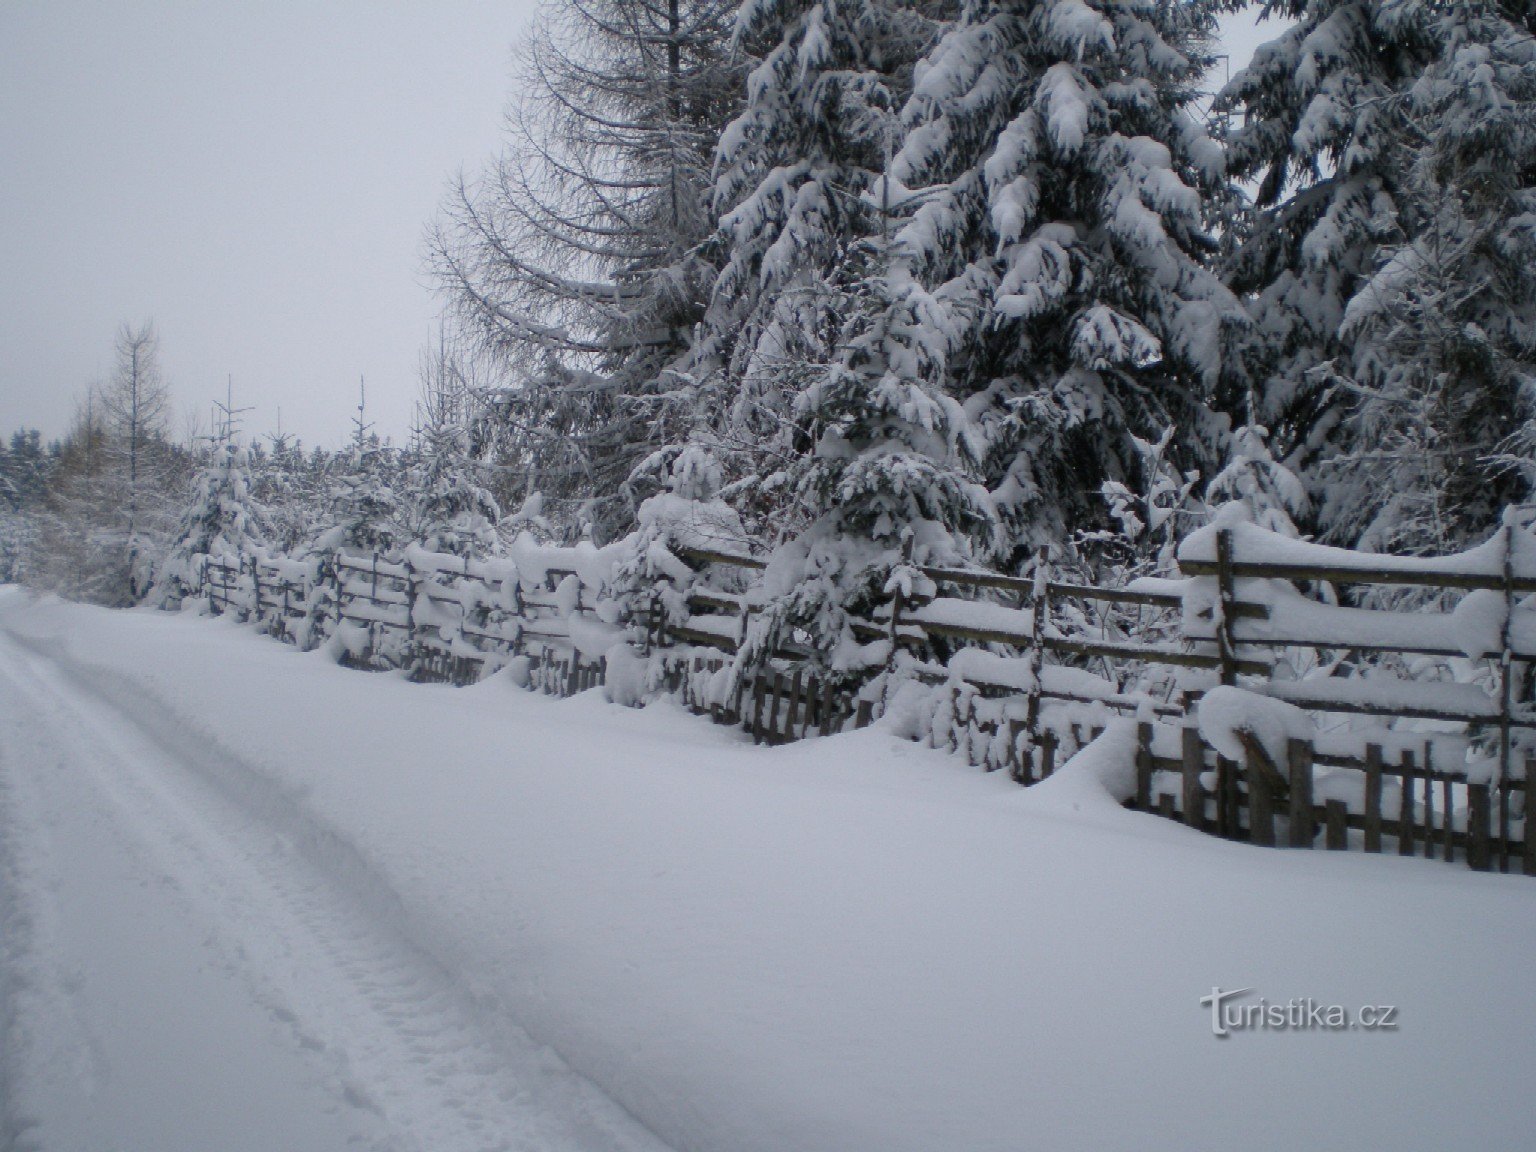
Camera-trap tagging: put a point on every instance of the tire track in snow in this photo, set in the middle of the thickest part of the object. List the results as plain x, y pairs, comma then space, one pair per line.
323, 943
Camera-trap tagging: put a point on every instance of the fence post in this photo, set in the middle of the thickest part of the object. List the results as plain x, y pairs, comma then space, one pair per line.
1479, 826
898, 602
1194, 765
1506, 657
1405, 806
1299, 755
411, 648
1041, 608
1373, 797
1528, 834
1144, 766
1226, 595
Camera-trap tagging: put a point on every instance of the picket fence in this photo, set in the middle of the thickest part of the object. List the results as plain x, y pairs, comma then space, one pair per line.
1030, 669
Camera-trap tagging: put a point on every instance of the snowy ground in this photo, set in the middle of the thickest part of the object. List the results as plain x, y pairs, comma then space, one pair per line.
249, 900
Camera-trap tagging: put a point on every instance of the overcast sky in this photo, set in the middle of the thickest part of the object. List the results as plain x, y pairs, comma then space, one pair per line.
256, 177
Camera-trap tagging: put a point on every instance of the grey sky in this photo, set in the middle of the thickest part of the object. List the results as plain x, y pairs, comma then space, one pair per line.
255, 176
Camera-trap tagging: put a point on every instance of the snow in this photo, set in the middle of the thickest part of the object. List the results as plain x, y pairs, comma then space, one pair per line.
483, 917
977, 615
1254, 545
1226, 712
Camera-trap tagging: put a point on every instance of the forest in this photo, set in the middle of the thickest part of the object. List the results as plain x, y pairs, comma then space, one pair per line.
864, 285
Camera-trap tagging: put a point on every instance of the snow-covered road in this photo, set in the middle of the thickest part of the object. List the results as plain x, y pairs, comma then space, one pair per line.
252, 900
201, 968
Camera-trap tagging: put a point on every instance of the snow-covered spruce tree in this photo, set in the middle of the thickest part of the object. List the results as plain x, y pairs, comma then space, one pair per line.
26, 473
223, 521
1061, 196
1437, 378
289, 486
1317, 125
575, 258
792, 174
891, 472
445, 508
1269, 494
365, 503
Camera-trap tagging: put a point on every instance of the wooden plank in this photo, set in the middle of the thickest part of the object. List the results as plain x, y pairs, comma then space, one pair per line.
1405, 807
1261, 797
864, 715
1426, 577
758, 688
1165, 806
1528, 831
1479, 826
1429, 813
711, 556
1019, 765
1449, 840
1336, 822
1047, 753
1143, 766
1226, 590
1089, 648
1194, 764
794, 705
1501, 794
1224, 822
1299, 770
775, 694
1450, 818
828, 706
1373, 797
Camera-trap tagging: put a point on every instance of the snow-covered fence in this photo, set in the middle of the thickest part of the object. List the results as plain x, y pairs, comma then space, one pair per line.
1336, 791
774, 705
1417, 731
1459, 654
1409, 723
1018, 712
440, 616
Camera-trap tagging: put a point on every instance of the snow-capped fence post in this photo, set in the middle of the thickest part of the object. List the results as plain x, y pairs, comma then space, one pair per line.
828, 706
1506, 655
1144, 766
1405, 808
1226, 597
1373, 797
413, 651
1479, 826
1041, 600
1528, 855
1193, 765
1299, 755
1336, 825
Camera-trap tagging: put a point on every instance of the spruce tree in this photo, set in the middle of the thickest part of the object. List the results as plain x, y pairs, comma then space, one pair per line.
1315, 124
223, 521
792, 176
1061, 200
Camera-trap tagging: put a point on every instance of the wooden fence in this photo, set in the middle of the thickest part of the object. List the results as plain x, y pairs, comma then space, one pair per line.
1035, 667
1359, 801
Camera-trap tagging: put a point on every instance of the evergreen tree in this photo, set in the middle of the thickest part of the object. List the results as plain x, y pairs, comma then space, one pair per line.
793, 173
575, 259
1060, 197
1321, 134
223, 521
1437, 384
366, 514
